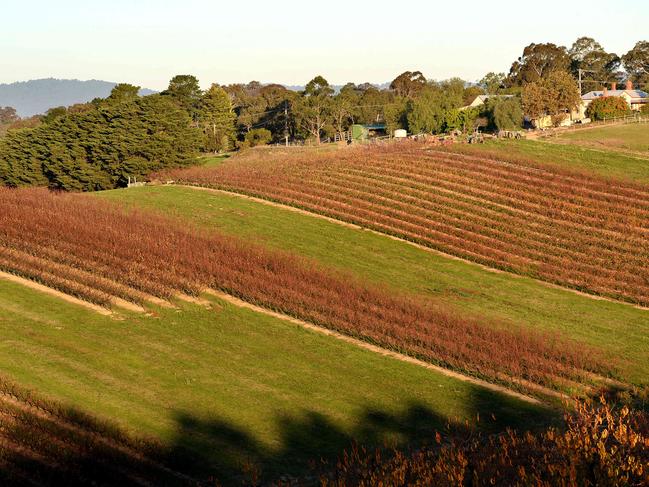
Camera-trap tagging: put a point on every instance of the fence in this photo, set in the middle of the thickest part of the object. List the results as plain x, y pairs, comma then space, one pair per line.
627, 119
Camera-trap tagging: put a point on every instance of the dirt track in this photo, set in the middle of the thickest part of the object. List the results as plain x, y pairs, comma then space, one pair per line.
382, 351
53, 292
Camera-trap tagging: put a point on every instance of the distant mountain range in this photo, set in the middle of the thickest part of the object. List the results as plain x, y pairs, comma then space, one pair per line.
37, 96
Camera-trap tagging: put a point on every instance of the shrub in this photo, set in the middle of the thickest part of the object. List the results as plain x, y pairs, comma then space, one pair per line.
505, 113
598, 446
645, 109
258, 137
607, 107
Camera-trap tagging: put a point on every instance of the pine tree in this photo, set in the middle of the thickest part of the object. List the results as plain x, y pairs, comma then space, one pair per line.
217, 120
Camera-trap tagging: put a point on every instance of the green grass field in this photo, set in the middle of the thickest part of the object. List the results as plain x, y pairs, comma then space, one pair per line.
213, 160
231, 385
620, 329
606, 163
633, 137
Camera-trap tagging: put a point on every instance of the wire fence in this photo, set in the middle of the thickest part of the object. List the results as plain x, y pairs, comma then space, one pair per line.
627, 119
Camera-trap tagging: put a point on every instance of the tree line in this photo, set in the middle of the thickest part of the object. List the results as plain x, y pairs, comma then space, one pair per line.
98, 145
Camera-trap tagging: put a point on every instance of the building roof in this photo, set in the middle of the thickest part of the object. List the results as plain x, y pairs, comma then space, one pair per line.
635, 95
481, 99
484, 98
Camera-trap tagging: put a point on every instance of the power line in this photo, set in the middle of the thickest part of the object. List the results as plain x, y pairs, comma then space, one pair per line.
260, 113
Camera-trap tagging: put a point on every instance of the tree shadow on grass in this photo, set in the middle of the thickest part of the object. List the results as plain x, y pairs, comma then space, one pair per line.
211, 447
50, 445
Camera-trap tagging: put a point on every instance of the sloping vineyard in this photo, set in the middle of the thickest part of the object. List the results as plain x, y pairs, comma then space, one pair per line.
569, 229
43, 443
96, 251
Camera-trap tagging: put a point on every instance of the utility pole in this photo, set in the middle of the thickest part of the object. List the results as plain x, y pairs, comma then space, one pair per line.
580, 79
286, 121
580, 91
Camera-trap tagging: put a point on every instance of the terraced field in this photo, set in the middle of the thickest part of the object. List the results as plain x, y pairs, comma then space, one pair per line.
569, 229
206, 390
44, 444
232, 339
577, 156
498, 298
144, 257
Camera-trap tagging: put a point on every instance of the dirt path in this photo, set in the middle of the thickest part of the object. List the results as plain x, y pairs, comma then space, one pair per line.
381, 351
403, 240
53, 292
243, 304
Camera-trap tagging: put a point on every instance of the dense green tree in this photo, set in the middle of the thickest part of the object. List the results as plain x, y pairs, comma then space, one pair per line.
101, 147
124, 92
582, 47
342, 110
505, 113
536, 62
313, 108
186, 92
636, 63
554, 95
278, 117
468, 118
53, 114
217, 119
251, 114
599, 67
372, 104
436, 109
396, 114
408, 84
493, 83
267, 106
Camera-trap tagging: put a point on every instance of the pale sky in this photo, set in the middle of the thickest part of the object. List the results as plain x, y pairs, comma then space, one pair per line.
146, 42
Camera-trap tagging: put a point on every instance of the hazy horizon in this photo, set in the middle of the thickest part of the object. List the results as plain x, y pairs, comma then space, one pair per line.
149, 43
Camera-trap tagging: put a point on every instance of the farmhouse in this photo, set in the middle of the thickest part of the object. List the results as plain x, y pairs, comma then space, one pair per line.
634, 98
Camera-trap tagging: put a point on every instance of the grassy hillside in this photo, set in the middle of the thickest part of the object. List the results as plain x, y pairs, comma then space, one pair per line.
619, 328
230, 385
606, 163
565, 228
632, 137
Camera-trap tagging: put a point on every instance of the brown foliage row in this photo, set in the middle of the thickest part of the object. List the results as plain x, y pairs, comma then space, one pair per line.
42, 443
570, 229
95, 251
598, 446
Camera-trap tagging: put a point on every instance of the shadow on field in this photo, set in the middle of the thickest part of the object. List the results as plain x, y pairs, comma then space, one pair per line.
68, 447
214, 448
